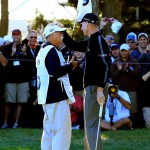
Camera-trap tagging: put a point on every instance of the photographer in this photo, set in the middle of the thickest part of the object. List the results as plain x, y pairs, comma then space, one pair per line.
117, 109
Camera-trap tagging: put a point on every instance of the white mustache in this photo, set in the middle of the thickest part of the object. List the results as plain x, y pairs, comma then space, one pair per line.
61, 37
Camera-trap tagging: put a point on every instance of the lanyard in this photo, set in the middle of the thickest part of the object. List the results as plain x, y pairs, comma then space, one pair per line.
32, 52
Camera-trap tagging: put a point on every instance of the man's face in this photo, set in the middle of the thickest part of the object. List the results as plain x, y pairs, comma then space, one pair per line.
109, 39
79, 55
115, 52
132, 44
143, 42
33, 38
84, 27
16, 37
56, 38
125, 53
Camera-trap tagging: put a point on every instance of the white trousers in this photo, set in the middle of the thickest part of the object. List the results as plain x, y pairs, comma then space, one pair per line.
56, 126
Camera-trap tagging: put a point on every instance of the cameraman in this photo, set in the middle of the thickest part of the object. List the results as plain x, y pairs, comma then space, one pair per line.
121, 105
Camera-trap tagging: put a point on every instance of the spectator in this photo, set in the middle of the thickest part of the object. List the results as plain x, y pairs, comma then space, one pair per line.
117, 109
145, 86
126, 71
33, 113
143, 42
76, 110
115, 51
3, 63
76, 76
110, 39
76, 81
16, 76
131, 40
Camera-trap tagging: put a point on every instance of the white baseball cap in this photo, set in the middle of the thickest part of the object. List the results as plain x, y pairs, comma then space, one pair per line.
124, 47
142, 34
53, 27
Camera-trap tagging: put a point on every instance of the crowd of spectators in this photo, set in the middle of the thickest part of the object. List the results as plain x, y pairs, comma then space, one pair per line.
129, 68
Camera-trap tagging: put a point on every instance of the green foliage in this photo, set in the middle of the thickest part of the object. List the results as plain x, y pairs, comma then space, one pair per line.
77, 34
39, 19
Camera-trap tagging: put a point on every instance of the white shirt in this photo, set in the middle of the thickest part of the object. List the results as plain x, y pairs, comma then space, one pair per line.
120, 111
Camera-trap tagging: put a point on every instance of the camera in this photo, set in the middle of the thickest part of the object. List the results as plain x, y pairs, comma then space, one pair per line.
109, 19
112, 87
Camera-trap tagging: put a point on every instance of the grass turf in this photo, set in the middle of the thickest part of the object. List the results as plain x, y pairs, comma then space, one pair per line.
29, 139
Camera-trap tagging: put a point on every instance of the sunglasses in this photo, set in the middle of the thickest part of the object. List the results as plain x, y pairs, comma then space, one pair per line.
109, 38
16, 34
130, 42
31, 37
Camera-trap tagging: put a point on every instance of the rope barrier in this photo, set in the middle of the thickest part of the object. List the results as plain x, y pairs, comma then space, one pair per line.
110, 62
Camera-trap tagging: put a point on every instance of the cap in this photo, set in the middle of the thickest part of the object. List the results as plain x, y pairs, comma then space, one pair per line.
124, 47
142, 34
91, 18
16, 31
111, 81
114, 45
53, 27
131, 36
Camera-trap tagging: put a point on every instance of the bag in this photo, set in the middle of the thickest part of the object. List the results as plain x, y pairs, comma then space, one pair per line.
33, 82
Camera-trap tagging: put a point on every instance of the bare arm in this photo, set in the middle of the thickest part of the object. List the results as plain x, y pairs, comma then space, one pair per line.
146, 76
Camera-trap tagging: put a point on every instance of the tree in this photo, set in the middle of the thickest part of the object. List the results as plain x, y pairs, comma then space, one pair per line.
39, 19
4, 18
96, 7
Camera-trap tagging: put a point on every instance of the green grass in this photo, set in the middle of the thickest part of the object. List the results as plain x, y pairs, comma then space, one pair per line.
29, 139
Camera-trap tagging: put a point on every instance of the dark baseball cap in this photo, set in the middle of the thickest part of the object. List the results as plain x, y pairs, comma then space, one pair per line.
91, 18
16, 31
116, 45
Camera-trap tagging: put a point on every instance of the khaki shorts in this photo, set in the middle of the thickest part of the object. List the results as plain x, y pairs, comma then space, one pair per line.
133, 99
16, 92
146, 115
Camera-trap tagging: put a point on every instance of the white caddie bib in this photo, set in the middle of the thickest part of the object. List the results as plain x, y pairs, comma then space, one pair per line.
43, 77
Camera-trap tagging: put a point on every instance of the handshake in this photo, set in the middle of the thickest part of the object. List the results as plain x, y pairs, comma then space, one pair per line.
73, 62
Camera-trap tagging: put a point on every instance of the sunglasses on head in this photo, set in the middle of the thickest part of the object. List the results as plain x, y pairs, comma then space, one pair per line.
35, 37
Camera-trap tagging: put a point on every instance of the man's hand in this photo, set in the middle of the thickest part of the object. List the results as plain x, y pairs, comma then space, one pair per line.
29, 28
100, 96
103, 23
119, 65
41, 29
114, 95
74, 63
3, 60
24, 49
13, 50
126, 67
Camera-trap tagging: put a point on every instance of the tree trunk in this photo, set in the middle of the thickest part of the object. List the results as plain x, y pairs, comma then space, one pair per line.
4, 18
112, 8
95, 7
